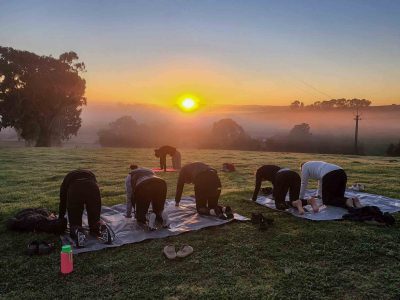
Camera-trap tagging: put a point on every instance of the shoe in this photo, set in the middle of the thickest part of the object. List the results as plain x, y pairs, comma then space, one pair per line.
229, 213
105, 234
184, 251
165, 220
79, 237
152, 222
219, 213
169, 251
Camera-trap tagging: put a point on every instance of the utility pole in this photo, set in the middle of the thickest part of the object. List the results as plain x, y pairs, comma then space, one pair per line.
357, 118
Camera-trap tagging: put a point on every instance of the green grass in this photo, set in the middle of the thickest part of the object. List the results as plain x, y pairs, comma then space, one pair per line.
295, 259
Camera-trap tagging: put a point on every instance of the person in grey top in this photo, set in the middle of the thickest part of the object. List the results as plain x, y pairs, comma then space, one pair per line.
142, 188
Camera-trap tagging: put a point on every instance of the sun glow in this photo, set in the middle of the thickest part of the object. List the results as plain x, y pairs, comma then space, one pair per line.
188, 104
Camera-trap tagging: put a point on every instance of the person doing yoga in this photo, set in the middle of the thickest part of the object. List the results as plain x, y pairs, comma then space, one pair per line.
283, 181
79, 190
162, 153
207, 189
332, 181
142, 188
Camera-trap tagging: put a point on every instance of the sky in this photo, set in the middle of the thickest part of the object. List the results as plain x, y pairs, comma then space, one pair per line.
221, 52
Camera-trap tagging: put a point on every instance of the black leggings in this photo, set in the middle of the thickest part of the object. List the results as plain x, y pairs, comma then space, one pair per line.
286, 181
152, 191
81, 193
207, 189
333, 188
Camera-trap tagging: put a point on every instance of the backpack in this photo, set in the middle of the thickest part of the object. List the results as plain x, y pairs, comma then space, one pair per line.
36, 220
228, 167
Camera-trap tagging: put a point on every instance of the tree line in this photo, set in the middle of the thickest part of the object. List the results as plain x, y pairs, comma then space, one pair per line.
332, 104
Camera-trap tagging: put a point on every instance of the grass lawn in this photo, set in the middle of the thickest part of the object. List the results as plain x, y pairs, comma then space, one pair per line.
295, 259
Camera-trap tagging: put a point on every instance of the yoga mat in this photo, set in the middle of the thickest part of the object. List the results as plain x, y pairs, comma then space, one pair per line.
156, 170
183, 219
336, 213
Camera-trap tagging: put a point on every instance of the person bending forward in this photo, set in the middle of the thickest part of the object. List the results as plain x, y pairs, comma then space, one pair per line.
207, 189
332, 181
142, 188
162, 153
79, 190
283, 181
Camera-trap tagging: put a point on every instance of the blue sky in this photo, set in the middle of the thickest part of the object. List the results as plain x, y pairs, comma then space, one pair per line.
260, 52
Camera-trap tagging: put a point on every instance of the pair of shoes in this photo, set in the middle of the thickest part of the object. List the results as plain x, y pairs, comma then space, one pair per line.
39, 248
358, 187
170, 252
262, 222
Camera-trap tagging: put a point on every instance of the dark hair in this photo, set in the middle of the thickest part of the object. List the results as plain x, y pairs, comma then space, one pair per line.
133, 167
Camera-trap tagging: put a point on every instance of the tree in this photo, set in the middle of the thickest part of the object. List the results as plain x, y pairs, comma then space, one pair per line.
300, 131
296, 104
41, 96
125, 132
393, 150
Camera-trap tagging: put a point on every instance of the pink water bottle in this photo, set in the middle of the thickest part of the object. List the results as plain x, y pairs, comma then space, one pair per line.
67, 264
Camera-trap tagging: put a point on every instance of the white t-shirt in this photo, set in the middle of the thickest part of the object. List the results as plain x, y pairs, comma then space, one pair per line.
315, 170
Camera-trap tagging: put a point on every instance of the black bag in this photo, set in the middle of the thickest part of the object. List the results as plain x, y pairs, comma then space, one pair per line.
36, 219
369, 213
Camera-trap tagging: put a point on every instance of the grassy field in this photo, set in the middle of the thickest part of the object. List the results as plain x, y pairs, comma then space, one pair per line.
296, 259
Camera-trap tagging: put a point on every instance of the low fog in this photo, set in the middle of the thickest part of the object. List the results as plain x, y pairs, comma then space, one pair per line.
379, 126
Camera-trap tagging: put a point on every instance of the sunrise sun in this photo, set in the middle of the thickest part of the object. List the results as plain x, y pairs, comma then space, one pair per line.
188, 104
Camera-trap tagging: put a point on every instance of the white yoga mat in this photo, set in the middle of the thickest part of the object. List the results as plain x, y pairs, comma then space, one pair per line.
336, 213
183, 219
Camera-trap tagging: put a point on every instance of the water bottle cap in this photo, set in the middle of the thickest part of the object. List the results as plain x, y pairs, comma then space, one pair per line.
66, 249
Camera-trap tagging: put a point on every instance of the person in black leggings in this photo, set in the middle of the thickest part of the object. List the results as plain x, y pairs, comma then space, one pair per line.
162, 153
283, 181
142, 188
79, 190
207, 189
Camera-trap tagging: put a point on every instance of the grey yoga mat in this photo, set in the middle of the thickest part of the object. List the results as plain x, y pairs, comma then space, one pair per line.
336, 213
183, 219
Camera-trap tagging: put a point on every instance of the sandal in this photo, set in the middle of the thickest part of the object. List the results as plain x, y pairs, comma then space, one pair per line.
169, 251
186, 250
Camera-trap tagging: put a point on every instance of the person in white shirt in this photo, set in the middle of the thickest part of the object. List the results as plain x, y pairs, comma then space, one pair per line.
332, 181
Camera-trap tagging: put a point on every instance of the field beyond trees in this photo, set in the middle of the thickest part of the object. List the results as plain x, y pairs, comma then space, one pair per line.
294, 259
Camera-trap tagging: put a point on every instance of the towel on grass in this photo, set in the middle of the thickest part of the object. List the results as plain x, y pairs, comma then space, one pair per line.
183, 219
336, 213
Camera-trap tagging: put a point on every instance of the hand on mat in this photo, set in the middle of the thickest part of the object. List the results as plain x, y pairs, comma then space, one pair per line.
127, 216
177, 204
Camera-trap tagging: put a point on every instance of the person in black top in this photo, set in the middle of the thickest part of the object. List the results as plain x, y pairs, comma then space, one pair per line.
79, 190
283, 181
162, 153
207, 189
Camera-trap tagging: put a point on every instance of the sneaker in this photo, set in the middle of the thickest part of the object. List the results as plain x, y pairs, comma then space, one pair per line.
165, 220
229, 212
79, 237
105, 234
152, 221
219, 213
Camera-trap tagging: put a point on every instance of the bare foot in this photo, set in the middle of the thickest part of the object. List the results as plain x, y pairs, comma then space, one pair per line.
357, 202
314, 204
349, 202
299, 206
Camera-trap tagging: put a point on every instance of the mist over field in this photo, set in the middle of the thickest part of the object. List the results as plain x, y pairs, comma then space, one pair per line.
379, 125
